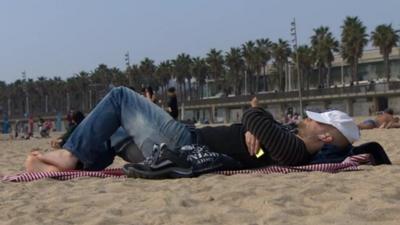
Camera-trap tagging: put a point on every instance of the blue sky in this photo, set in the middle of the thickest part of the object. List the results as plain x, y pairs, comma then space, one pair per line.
59, 38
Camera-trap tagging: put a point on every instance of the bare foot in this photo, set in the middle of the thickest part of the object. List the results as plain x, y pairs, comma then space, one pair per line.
62, 159
33, 164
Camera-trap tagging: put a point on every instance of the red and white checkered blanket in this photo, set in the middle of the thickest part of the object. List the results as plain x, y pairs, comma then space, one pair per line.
349, 164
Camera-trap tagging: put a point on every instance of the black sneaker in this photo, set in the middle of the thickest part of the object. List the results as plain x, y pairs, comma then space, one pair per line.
163, 163
187, 161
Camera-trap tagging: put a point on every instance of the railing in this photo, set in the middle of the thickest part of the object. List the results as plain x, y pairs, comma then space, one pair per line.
333, 91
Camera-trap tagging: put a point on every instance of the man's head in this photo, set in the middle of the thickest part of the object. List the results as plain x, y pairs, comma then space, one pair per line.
388, 111
333, 127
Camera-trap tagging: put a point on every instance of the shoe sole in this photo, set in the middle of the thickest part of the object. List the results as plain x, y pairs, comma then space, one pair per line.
171, 172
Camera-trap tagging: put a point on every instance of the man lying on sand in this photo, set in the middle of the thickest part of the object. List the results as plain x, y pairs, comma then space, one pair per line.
123, 113
381, 121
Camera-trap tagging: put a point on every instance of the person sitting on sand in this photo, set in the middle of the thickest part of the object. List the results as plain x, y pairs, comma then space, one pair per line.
394, 123
380, 121
123, 113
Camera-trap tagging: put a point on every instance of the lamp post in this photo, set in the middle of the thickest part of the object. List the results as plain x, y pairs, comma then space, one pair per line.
293, 32
127, 59
127, 63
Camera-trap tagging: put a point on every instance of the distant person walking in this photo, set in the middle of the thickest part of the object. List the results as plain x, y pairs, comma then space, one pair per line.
172, 103
40, 124
30, 127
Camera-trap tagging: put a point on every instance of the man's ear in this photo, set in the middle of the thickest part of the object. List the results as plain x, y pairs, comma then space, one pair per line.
326, 138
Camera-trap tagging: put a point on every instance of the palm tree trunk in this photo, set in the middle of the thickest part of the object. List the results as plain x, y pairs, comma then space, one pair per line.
281, 78
238, 85
180, 91
356, 69
184, 90
387, 66
319, 75
190, 90
201, 90
256, 85
328, 75
264, 79
249, 82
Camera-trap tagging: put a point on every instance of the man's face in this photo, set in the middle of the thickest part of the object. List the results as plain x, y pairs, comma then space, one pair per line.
309, 127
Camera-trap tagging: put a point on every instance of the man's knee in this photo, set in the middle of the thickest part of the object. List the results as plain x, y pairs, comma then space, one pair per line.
119, 91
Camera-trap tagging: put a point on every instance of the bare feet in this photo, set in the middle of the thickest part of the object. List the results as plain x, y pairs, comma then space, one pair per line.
33, 164
59, 160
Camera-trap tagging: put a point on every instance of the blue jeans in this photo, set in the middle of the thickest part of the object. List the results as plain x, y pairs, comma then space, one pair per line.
120, 114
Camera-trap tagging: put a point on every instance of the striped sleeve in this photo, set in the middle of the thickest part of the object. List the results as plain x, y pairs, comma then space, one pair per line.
282, 146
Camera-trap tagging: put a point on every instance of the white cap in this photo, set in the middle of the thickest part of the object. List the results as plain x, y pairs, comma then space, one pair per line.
340, 120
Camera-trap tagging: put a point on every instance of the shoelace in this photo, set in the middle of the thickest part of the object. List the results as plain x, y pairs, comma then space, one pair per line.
153, 157
193, 154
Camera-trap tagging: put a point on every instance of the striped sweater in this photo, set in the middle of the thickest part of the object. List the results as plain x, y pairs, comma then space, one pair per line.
283, 146
280, 144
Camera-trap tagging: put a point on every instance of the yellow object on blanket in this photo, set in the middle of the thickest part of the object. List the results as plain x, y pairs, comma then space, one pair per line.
260, 153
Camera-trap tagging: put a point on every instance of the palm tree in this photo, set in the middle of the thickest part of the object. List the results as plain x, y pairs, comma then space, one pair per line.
215, 62
17, 95
134, 76
324, 44
281, 51
147, 70
200, 72
306, 62
164, 74
58, 92
119, 78
385, 37
249, 55
236, 66
84, 81
41, 89
182, 71
102, 75
264, 46
354, 38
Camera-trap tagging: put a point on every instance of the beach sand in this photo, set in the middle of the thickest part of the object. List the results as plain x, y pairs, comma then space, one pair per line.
370, 196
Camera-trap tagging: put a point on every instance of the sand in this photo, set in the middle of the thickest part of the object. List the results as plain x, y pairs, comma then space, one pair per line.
371, 196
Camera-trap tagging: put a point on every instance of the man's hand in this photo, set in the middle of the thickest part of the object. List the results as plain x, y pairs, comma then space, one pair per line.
252, 143
254, 102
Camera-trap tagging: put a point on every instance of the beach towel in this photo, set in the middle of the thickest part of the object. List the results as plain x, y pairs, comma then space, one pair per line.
351, 163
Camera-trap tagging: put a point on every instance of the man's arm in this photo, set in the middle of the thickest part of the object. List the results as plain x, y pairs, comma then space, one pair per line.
283, 146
